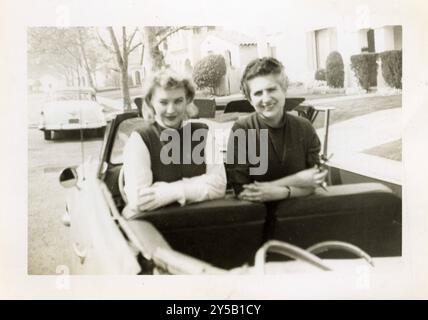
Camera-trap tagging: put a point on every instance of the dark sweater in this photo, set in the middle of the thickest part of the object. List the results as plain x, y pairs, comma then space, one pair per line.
186, 166
292, 147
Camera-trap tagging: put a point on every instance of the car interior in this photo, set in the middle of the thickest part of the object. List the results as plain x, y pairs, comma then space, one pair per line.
226, 233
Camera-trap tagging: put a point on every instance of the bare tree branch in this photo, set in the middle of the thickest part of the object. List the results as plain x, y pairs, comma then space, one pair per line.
135, 47
72, 54
104, 44
142, 55
116, 46
124, 53
169, 34
128, 45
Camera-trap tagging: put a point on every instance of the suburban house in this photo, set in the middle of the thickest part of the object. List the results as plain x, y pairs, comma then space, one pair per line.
135, 67
347, 27
237, 49
186, 47
301, 44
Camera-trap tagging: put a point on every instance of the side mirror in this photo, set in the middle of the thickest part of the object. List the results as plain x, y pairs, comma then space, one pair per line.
68, 177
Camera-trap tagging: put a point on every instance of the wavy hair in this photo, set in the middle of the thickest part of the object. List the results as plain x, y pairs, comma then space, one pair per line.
263, 67
168, 79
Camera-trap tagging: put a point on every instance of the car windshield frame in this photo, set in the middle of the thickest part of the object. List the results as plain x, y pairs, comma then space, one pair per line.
124, 130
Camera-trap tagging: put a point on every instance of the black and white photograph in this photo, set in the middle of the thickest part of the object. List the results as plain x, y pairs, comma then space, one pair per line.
182, 146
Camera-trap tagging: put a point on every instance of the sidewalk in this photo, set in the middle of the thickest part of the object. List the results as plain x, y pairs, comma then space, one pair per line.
348, 139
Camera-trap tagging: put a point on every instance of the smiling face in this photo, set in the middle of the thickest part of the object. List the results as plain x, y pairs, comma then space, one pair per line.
169, 106
268, 97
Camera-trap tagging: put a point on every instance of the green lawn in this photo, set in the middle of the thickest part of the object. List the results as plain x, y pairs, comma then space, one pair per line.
390, 150
357, 107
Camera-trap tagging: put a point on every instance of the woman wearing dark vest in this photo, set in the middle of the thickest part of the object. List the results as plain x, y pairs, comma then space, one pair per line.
291, 142
167, 159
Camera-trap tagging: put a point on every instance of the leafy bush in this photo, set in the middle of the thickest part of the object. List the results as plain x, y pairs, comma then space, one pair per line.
320, 75
335, 73
208, 71
365, 68
392, 67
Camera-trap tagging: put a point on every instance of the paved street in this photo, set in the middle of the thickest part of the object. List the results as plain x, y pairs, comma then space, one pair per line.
48, 239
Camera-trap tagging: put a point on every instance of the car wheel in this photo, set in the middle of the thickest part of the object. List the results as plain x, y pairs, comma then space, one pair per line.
48, 134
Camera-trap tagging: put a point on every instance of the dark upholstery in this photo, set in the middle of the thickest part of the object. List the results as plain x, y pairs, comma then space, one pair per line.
239, 106
292, 103
207, 213
225, 233
111, 180
139, 103
228, 232
361, 214
206, 107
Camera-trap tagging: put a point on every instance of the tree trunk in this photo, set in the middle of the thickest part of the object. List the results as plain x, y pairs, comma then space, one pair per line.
85, 60
125, 89
154, 58
78, 77
122, 62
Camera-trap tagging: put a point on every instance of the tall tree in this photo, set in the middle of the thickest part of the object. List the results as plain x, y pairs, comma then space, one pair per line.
153, 37
65, 49
122, 52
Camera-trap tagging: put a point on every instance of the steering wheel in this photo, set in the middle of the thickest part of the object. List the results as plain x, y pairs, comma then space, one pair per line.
307, 255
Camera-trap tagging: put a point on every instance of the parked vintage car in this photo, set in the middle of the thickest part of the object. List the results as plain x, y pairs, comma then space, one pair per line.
71, 109
221, 236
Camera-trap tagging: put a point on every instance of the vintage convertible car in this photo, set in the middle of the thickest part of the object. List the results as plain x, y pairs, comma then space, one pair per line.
221, 236
71, 109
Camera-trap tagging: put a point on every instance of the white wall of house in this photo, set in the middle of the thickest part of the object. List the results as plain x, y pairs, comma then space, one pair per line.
184, 50
215, 45
240, 56
247, 53
342, 25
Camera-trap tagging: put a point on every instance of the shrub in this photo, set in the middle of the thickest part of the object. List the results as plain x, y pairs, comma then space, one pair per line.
335, 73
365, 68
320, 75
209, 71
392, 67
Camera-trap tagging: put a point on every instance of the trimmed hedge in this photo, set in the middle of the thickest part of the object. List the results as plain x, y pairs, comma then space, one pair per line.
320, 75
392, 67
208, 71
365, 68
335, 73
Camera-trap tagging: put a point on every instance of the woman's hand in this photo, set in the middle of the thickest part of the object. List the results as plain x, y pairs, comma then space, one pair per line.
159, 194
261, 192
147, 200
312, 177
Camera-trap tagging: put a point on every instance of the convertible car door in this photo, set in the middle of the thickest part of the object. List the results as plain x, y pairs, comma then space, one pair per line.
99, 245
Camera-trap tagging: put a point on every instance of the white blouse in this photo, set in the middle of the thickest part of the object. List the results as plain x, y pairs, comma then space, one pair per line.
138, 175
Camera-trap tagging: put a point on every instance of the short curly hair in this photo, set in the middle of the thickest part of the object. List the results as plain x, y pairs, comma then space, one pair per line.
263, 67
168, 79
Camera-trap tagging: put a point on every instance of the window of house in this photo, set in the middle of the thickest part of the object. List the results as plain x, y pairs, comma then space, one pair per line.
325, 42
398, 45
272, 51
137, 78
367, 40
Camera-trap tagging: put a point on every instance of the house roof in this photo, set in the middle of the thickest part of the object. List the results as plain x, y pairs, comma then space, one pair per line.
235, 38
